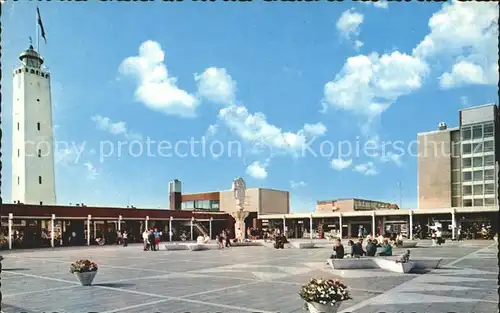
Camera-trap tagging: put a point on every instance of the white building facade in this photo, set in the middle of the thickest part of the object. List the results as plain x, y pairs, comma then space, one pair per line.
33, 177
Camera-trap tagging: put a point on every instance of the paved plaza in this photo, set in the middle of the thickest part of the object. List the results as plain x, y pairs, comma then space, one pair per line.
242, 279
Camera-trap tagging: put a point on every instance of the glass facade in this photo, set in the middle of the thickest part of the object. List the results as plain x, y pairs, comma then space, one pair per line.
478, 166
209, 205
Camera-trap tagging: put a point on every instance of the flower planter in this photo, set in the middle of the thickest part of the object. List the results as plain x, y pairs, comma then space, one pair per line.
86, 278
323, 308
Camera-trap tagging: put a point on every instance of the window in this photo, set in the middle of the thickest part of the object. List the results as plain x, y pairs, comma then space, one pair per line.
477, 147
488, 130
489, 189
489, 160
455, 190
467, 190
477, 175
188, 205
38, 126
214, 204
455, 176
467, 162
467, 202
466, 133
477, 162
39, 153
478, 190
488, 146
37, 100
18, 180
466, 176
466, 148
32, 71
489, 201
18, 152
202, 204
40, 180
477, 132
455, 202
41, 202
17, 125
36, 72
489, 174
478, 202
455, 163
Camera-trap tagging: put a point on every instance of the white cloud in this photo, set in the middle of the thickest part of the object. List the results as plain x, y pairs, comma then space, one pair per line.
115, 128
297, 184
349, 26
317, 129
255, 129
216, 85
382, 4
367, 169
339, 164
212, 130
358, 44
258, 170
466, 33
464, 73
368, 85
392, 157
156, 88
92, 172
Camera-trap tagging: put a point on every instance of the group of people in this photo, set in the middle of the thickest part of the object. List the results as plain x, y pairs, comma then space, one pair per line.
151, 238
437, 237
358, 251
223, 239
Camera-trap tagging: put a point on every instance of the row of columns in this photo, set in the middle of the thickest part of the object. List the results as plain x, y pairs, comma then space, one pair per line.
410, 214
89, 220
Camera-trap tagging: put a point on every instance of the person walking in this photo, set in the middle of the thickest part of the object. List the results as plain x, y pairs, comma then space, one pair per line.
156, 238
151, 240
145, 239
125, 238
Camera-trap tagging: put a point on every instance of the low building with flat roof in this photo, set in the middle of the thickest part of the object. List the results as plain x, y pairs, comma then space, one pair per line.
353, 204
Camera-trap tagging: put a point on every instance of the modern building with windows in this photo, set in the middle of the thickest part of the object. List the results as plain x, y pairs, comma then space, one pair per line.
457, 167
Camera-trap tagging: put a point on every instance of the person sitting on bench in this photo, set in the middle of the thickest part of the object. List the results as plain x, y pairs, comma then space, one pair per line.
405, 258
386, 249
371, 248
357, 249
338, 250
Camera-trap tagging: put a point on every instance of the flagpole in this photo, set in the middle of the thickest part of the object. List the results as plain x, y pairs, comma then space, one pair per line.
37, 34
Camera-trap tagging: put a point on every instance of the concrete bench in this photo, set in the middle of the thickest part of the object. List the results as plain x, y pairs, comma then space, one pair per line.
203, 247
409, 244
420, 263
352, 264
426, 263
302, 245
387, 263
177, 246
246, 244
393, 266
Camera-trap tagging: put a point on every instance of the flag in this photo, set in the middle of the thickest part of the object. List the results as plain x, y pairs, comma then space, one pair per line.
42, 30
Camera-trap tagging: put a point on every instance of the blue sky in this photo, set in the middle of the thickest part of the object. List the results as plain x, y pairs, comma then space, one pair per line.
273, 77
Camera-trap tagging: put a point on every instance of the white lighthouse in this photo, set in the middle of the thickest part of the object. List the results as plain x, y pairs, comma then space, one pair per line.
33, 178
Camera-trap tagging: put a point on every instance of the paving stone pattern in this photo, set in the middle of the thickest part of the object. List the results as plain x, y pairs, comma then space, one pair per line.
242, 279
